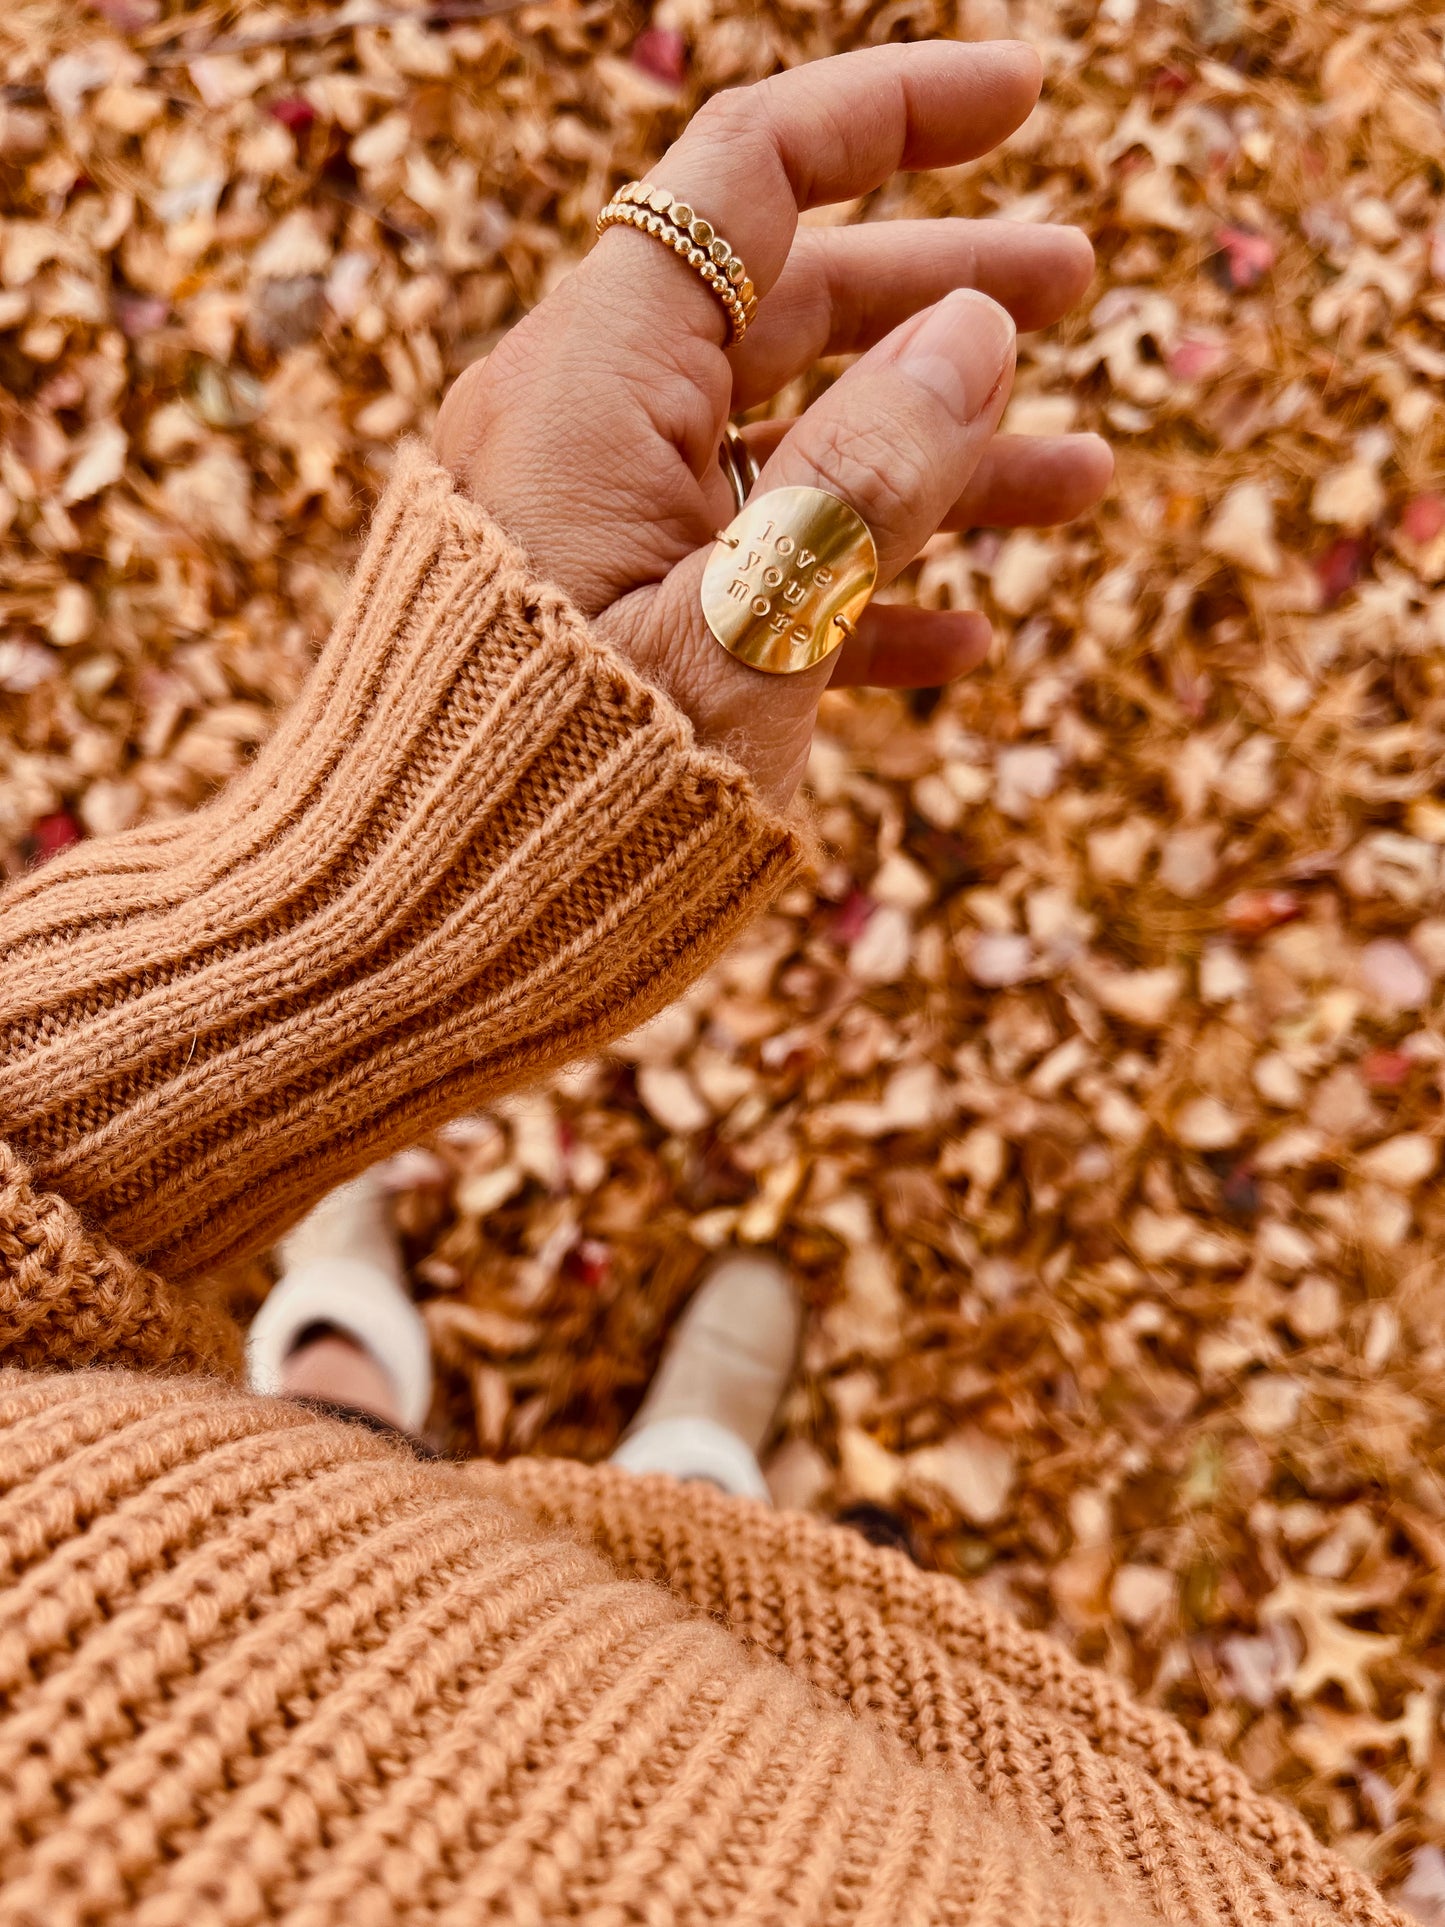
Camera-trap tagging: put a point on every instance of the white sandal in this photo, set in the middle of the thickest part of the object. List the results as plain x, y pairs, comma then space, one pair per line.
341, 1267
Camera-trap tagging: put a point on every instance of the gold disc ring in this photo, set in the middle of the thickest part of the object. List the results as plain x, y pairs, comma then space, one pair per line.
789, 578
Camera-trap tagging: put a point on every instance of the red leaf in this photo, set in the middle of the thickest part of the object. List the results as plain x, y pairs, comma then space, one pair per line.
1253, 912
293, 111
1194, 358
1340, 568
54, 833
1244, 257
140, 314
1239, 1193
1169, 83
1191, 689
1423, 518
1385, 1070
589, 1262
65, 390
128, 16
661, 52
850, 919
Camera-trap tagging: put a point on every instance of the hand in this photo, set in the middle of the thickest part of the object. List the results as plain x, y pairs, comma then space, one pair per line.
591, 432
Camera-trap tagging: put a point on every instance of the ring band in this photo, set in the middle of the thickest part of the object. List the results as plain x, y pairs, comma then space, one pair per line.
789, 578
674, 238
738, 462
652, 210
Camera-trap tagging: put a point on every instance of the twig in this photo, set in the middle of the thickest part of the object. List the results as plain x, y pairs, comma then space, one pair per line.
351, 198
323, 26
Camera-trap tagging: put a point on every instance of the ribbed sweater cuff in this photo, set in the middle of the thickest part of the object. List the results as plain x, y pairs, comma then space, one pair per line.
477, 846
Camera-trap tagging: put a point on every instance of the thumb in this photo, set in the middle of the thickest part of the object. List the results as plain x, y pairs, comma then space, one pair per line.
897, 438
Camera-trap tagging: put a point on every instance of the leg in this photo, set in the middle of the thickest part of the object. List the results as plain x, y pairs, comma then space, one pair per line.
339, 1325
340, 1328
717, 1391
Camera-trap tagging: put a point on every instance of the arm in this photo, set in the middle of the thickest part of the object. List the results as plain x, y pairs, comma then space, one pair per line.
477, 846
486, 839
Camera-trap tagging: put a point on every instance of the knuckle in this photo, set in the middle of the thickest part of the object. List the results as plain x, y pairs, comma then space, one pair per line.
458, 404
468, 414
731, 108
873, 470
736, 127
671, 401
815, 294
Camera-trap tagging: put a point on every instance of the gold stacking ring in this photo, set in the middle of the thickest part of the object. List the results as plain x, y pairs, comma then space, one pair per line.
652, 210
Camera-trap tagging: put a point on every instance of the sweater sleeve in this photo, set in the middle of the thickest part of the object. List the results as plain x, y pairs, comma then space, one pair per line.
477, 846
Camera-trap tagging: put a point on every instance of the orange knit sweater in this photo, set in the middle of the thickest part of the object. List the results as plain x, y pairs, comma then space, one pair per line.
258, 1665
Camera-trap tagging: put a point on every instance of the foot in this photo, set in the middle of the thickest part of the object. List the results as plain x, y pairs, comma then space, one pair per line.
722, 1378
339, 1323
334, 1367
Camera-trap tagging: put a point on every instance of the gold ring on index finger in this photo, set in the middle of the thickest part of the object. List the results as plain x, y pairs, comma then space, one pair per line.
652, 210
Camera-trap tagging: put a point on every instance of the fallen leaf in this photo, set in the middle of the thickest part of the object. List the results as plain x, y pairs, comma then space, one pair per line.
1021, 575
99, 461
1423, 518
997, 958
662, 53
672, 1098
1142, 997
1254, 912
869, 1472
1392, 976
1340, 568
1025, 776
1141, 1594
1334, 1654
881, 955
1207, 1124
1352, 496
1401, 1162
973, 1469
1244, 257
1242, 530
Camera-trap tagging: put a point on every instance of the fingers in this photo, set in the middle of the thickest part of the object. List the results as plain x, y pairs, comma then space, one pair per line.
845, 288
838, 128
901, 432
828, 131
897, 436
1022, 481
898, 647
1034, 481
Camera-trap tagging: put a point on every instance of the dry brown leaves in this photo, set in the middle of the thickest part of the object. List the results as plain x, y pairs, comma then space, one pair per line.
1095, 1093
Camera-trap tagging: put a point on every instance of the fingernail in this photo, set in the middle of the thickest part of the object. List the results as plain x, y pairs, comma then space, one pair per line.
960, 350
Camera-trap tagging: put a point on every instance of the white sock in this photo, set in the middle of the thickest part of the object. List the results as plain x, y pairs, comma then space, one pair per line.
695, 1448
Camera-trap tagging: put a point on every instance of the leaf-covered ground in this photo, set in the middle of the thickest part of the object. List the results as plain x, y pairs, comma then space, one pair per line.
1095, 1090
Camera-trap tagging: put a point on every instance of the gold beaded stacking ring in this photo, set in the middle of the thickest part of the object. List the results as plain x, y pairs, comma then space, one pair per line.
652, 210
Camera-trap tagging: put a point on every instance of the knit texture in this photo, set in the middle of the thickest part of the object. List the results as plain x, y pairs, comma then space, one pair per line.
259, 1665
476, 847
68, 1295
